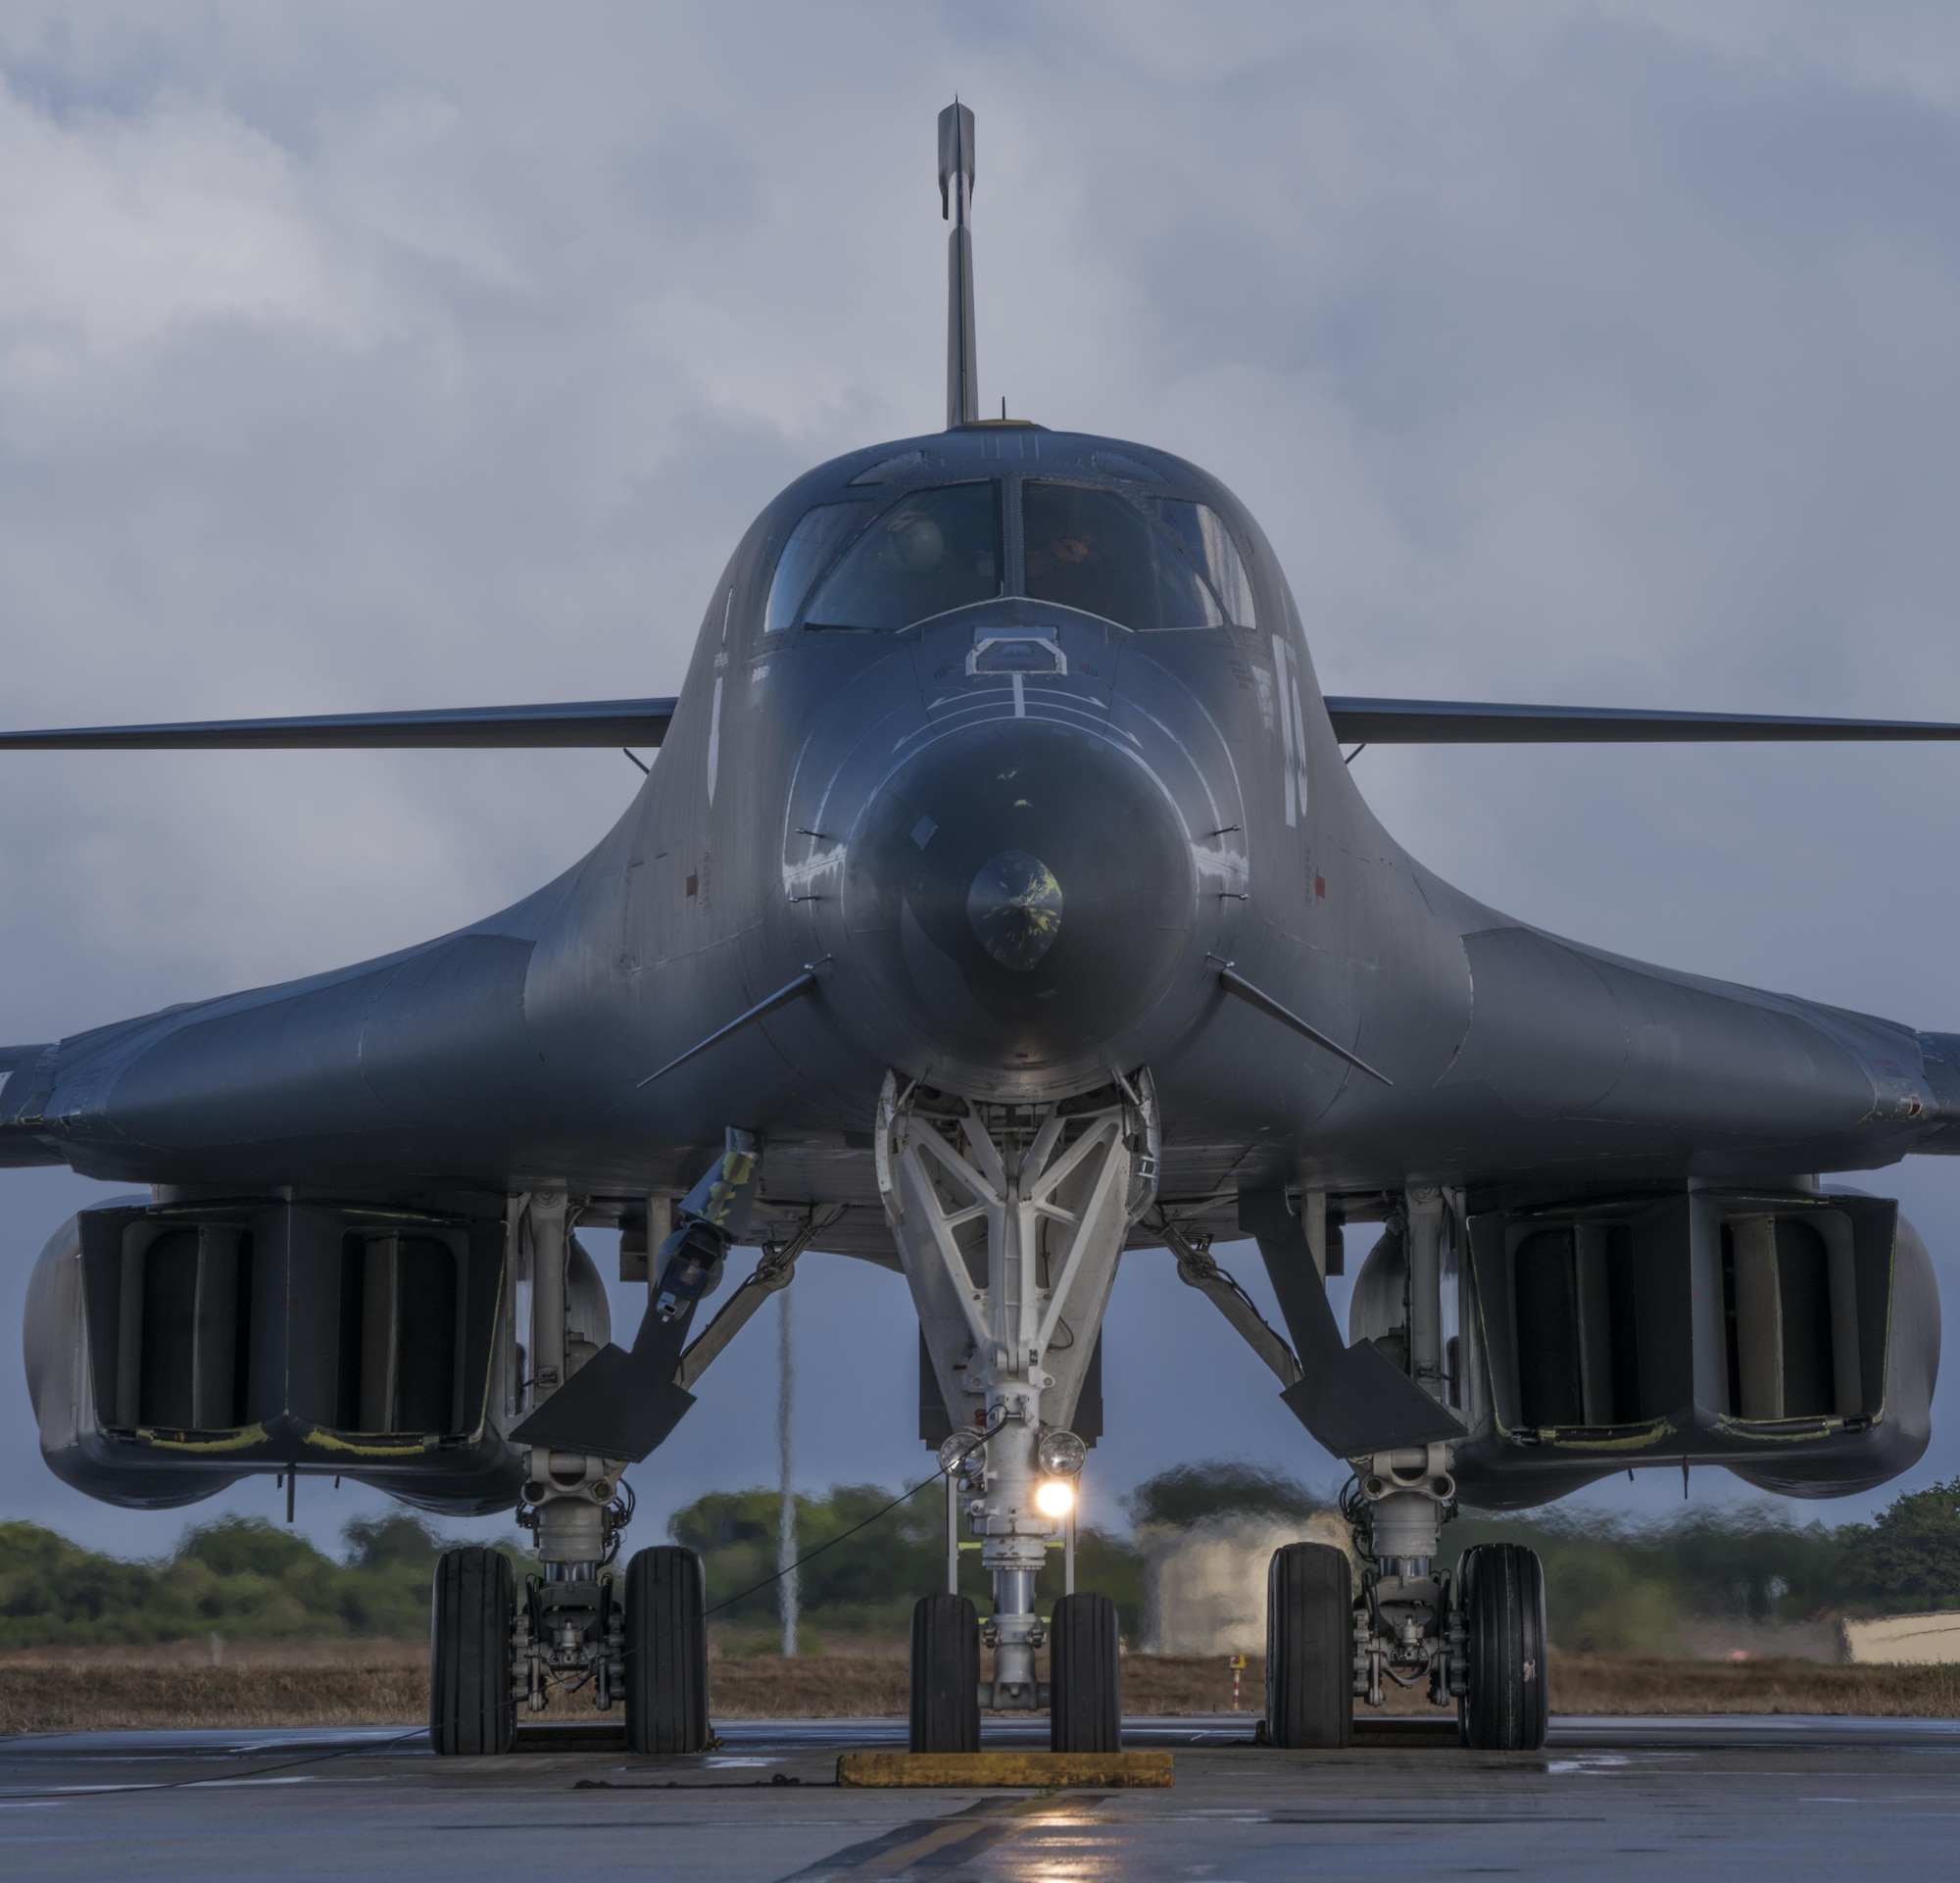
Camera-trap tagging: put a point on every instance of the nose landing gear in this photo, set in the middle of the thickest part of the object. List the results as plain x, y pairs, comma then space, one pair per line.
1009, 1220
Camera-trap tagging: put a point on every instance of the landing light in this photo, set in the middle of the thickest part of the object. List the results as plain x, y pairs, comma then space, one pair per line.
1056, 1497
1060, 1454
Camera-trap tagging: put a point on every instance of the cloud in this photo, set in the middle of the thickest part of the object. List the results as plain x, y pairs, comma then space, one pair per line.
117, 232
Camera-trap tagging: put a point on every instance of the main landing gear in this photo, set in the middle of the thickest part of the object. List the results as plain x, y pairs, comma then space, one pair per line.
1009, 1220
1475, 1640
636, 1642
639, 1639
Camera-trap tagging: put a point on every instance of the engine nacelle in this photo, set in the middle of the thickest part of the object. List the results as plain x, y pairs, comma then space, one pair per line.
174, 1347
1792, 1337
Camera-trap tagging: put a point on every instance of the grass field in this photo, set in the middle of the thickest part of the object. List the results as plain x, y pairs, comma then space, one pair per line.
384, 1684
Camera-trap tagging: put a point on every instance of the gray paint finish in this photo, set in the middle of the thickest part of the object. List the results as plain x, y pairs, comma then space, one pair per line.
1195, 778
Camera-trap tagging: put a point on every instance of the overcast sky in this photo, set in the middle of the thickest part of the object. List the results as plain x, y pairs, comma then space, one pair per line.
370, 356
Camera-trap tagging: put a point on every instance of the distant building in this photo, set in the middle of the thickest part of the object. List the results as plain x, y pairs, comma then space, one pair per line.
1916, 1640
1205, 1587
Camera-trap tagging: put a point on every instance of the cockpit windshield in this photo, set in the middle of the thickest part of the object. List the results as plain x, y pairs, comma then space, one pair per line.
936, 550
1159, 563
811, 544
1090, 549
1203, 536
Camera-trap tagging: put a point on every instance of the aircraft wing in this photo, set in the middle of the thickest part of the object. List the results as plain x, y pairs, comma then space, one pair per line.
644, 722
1490, 722
566, 722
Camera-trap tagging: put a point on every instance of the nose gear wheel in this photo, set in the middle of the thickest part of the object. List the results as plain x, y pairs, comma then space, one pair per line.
945, 1675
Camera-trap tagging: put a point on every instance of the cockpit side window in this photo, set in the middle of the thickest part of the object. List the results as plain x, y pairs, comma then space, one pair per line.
1090, 549
1201, 534
811, 544
932, 551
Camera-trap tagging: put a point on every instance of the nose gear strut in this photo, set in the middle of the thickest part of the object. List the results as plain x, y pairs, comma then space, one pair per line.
1009, 1220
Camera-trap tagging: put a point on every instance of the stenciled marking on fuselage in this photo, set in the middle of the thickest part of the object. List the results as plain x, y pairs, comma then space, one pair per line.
1292, 730
800, 879
714, 740
1262, 686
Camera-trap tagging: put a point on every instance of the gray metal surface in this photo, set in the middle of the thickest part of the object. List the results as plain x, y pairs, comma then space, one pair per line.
1493, 723
1190, 822
583, 723
956, 194
1723, 1798
566, 722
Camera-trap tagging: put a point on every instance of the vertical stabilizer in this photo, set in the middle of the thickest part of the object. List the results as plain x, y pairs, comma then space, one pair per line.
955, 200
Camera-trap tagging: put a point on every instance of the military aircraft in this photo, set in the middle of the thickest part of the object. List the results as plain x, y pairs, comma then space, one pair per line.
1000, 900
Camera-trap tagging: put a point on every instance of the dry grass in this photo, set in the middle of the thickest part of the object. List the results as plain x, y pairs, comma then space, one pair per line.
82, 1699
1632, 1684
285, 1656
384, 1683
810, 1687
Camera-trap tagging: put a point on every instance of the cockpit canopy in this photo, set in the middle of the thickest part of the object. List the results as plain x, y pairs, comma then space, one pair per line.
1146, 562
933, 550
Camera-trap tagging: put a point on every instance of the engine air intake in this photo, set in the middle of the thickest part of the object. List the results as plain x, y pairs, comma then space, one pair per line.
1792, 1337
185, 1346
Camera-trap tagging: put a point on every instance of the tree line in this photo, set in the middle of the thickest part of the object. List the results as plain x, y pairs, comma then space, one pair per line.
1613, 1584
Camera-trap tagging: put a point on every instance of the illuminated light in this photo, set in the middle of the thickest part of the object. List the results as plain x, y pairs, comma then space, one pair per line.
1056, 1497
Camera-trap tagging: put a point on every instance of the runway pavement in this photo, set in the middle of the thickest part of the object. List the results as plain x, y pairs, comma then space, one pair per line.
1677, 1799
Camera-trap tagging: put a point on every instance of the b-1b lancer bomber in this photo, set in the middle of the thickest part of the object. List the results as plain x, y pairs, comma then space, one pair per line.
1000, 900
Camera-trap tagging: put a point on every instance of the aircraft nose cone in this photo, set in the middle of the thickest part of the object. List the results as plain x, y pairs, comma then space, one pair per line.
1017, 895
1015, 908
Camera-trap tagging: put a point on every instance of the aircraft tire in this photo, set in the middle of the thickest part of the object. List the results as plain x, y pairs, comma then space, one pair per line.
1501, 1589
1310, 1647
472, 1607
1085, 1711
945, 1675
666, 1651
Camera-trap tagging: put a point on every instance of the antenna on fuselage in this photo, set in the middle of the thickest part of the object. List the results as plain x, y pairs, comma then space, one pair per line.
956, 201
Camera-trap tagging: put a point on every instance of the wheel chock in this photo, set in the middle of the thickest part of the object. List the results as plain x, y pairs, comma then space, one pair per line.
1038, 1771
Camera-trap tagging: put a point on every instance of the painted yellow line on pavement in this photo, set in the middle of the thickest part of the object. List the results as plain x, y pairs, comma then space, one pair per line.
1043, 1771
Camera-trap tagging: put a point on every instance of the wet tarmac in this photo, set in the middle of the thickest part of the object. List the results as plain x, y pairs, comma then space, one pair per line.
1723, 1798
